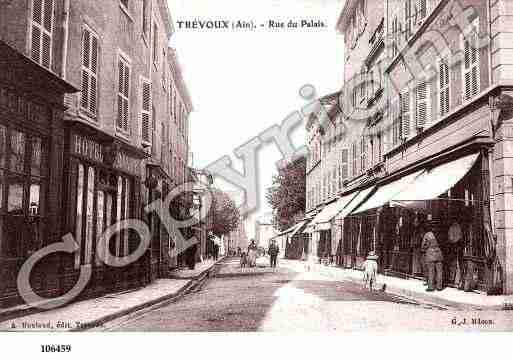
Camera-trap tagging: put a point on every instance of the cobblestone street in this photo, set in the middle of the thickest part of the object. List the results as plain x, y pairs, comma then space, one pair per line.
288, 299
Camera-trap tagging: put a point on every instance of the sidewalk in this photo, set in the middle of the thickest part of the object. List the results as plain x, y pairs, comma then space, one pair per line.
415, 289
93, 313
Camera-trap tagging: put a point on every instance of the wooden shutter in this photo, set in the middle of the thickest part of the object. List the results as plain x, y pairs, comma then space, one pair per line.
471, 62
344, 163
422, 104
89, 97
146, 111
408, 19
405, 114
123, 95
420, 11
443, 81
41, 32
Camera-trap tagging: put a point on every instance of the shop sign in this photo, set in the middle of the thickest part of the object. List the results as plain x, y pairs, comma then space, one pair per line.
88, 148
127, 163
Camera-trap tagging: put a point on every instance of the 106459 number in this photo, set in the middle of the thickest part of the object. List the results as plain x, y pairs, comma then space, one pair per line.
52, 348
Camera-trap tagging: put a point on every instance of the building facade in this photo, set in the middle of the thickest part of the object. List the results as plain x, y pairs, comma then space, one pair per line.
425, 109
125, 140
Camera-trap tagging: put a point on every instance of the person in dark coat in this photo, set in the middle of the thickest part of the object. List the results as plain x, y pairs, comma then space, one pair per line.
273, 253
433, 258
216, 251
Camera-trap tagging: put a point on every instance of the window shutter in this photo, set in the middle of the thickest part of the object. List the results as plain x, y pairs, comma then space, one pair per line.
405, 114
443, 72
36, 44
41, 32
422, 108
345, 163
420, 11
408, 19
145, 113
123, 93
471, 62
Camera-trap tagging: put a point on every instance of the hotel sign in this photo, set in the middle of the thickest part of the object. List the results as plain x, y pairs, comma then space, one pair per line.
92, 150
88, 148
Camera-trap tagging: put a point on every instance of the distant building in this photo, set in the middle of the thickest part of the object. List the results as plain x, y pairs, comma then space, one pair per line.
264, 231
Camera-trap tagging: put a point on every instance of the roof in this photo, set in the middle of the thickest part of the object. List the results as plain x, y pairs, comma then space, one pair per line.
347, 11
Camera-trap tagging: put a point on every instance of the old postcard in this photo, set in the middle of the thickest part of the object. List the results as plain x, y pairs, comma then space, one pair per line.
255, 166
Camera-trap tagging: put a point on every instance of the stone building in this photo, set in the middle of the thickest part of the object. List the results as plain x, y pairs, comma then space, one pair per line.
120, 132
426, 112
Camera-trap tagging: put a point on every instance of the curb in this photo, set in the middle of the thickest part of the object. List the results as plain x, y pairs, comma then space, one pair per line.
153, 304
421, 298
192, 283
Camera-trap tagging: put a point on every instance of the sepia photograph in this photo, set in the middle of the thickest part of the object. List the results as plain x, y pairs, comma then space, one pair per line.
271, 166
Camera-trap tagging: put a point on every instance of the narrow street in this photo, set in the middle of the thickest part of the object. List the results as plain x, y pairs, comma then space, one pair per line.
290, 299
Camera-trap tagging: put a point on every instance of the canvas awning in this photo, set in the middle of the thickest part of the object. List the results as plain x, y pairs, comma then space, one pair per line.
386, 193
436, 181
323, 218
299, 228
357, 200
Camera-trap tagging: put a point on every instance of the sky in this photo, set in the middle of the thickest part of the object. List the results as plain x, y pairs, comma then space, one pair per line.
242, 82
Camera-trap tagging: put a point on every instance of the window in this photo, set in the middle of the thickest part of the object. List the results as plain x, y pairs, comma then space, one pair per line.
123, 95
41, 32
354, 150
145, 111
444, 92
89, 95
405, 114
471, 62
344, 165
23, 180
415, 11
363, 154
155, 44
422, 108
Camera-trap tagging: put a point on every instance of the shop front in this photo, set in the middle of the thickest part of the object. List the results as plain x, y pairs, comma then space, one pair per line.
31, 140
102, 187
450, 198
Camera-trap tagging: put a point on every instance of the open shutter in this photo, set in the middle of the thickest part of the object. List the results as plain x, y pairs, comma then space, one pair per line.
405, 114
420, 11
121, 71
145, 113
86, 56
443, 81
41, 32
422, 108
471, 62
345, 163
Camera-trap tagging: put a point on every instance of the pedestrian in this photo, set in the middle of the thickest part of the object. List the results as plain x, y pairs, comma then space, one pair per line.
252, 252
433, 259
273, 253
370, 270
216, 252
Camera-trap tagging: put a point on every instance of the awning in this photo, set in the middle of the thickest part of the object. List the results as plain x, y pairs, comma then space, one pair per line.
431, 184
323, 218
385, 193
299, 227
357, 200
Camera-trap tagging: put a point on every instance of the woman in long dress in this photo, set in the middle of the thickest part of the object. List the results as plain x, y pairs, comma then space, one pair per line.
252, 253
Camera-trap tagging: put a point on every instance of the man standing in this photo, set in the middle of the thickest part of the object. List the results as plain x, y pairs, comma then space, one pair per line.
433, 260
273, 253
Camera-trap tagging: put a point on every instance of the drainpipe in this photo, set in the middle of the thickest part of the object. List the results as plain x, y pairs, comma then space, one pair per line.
65, 35
493, 109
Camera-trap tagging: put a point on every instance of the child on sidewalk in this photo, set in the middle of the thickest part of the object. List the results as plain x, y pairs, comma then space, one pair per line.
370, 270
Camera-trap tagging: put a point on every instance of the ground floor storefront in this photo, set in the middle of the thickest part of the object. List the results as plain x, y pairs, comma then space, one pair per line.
449, 198
31, 142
